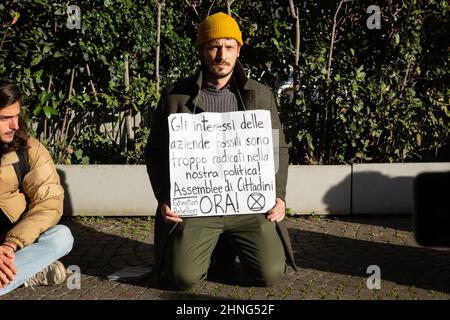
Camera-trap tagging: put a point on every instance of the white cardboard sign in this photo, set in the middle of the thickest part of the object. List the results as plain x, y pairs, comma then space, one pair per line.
221, 163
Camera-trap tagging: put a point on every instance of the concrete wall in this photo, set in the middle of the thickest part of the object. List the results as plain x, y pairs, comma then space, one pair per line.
319, 189
388, 188
125, 190
107, 190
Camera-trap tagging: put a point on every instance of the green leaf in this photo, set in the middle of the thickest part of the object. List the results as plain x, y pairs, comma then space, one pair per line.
37, 110
86, 97
275, 42
16, 18
38, 75
419, 139
360, 75
354, 86
277, 32
396, 39
362, 155
43, 98
446, 111
36, 59
49, 111
309, 140
60, 12
79, 154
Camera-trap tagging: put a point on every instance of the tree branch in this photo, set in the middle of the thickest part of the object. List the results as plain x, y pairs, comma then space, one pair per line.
292, 9
91, 82
193, 7
210, 7
229, 3
333, 35
158, 42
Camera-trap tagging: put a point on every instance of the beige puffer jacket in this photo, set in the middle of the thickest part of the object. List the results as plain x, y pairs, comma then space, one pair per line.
42, 187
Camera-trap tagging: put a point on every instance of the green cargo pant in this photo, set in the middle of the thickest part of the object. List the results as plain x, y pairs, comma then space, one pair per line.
253, 237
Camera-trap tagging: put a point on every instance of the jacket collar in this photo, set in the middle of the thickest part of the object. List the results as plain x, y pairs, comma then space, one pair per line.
241, 85
9, 159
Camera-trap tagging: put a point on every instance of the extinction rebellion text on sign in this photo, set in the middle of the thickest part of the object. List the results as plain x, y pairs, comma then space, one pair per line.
221, 163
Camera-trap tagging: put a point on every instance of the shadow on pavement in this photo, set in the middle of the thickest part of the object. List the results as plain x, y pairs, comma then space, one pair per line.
100, 254
418, 267
381, 220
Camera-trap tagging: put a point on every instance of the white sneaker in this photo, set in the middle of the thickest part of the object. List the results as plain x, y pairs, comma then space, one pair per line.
54, 274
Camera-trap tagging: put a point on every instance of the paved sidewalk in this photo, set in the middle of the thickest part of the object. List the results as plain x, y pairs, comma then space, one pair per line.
333, 254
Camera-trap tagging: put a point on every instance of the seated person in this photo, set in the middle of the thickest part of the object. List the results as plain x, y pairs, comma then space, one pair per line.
31, 203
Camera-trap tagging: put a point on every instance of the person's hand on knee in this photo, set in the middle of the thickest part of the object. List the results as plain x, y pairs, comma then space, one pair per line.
278, 212
7, 267
168, 215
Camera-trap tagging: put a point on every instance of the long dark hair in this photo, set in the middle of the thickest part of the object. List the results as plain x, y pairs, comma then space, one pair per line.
9, 94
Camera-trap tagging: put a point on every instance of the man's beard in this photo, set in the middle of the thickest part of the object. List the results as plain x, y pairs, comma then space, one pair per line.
210, 69
219, 75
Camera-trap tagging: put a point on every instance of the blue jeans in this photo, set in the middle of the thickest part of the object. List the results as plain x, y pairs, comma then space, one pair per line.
53, 244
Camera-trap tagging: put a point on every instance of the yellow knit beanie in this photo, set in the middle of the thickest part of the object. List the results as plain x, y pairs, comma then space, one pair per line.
219, 25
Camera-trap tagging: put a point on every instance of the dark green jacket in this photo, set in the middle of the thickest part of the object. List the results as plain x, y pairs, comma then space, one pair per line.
180, 98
